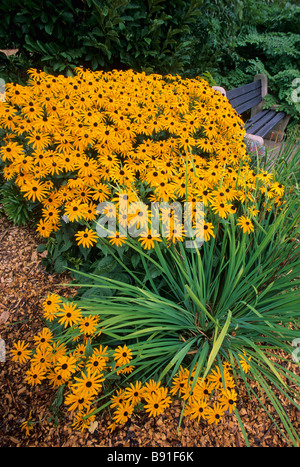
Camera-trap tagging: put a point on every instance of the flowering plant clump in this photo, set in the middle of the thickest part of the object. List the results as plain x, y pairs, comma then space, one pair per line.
74, 361
74, 142
126, 146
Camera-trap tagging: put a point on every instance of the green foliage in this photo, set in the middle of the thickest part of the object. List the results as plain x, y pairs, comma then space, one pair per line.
14, 68
278, 56
18, 210
143, 35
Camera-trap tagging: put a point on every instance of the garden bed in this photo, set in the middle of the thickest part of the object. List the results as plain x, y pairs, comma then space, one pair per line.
23, 285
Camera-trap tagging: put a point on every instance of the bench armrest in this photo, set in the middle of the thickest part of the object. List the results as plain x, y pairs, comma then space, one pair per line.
219, 89
264, 91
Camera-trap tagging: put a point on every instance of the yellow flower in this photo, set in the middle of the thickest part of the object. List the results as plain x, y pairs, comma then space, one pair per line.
245, 224
83, 419
118, 399
96, 363
117, 239
35, 375
245, 362
20, 352
123, 412
158, 402
88, 324
122, 355
86, 238
253, 210
75, 210
228, 399
43, 337
42, 358
65, 366
70, 314
196, 408
215, 413
78, 401
134, 393
27, 426
148, 239
44, 228
89, 384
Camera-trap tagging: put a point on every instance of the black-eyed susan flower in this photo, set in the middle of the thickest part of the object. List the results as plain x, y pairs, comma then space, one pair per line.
217, 378
96, 363
245, 362
88, 325
196, 408
245, 223
74, 209
83, 419
11, 151
157, 403
151, 386
215, 413
20, 352
35, 375
51, 214
126, 370
55, 379
35, 190
65, 366
43, 338
69, 314
122, 355
205, 230
228, 399
78, 401
42, 357
253, 210
148, 239
52, 302
123, 412
39, 140
86, 238
118, 398
117, 239
134, 392
28, 424
88, 383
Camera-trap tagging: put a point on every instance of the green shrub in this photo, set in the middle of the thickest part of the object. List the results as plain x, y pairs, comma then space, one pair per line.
120, 34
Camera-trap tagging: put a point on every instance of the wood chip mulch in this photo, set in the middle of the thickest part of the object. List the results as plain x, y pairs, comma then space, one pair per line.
23, 285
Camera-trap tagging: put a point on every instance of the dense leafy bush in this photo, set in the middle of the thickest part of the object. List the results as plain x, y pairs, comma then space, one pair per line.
143, 35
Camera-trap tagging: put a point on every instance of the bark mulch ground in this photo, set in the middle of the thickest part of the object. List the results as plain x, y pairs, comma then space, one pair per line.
23, 285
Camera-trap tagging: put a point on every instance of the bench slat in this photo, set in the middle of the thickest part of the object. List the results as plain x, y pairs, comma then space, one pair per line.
243, 89
269, 126
262, 123
257, 122
235, 101
248, 105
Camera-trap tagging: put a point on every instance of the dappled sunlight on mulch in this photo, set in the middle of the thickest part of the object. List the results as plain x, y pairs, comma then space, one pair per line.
23, 285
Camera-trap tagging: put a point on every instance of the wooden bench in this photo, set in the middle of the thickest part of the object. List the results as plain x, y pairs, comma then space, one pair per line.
262, 124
